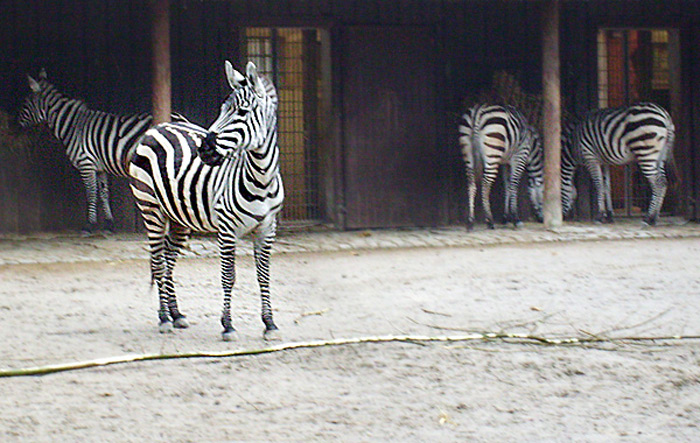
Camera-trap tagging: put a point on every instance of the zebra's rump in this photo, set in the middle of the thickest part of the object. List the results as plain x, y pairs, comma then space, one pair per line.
622, 135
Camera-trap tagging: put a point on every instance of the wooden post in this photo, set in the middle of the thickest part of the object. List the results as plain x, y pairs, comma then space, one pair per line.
551, 92
161, 95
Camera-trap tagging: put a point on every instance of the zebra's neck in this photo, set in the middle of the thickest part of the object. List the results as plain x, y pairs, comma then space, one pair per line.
63, 114
263, 162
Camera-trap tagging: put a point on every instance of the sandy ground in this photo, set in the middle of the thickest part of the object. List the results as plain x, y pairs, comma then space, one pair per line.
475, 391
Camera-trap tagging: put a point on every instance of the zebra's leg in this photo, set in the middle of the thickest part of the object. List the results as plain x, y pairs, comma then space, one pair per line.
608, 215
471, 188
659, 185
507, 215
89, 177
227, 249
263, 247
103, 188
486, 183
174, 241
157, 226
594, 169
516, 173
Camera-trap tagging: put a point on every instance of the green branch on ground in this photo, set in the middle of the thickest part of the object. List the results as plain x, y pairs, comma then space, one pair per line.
483, 337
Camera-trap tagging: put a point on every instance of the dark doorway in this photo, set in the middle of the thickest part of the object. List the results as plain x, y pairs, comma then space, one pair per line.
391, 164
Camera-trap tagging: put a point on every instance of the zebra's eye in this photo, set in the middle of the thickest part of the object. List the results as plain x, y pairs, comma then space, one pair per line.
243, 111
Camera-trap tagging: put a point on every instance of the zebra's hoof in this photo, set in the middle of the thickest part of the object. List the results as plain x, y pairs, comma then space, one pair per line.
272, 335
231, 335
181, 323
518, 224
166, 327
490, 225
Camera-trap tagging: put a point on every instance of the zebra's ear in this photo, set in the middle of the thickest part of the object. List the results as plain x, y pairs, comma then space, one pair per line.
254, 79
33, 84
234, 77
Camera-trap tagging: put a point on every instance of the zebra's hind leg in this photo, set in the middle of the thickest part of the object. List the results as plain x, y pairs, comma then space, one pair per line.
174, 241
262, 250
659, 185
157, 226
517, 170
608, 213
471, 188
227, 249
486, 184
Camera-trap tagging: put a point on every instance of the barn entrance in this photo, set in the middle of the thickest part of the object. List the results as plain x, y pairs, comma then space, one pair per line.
390, 155
635, 65
291, 57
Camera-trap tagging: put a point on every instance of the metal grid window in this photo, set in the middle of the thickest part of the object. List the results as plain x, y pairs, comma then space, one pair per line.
291, 57
633, 65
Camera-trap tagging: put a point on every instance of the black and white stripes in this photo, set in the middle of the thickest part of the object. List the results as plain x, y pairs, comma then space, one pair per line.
97, 143
225, 179
494, 135
643, 133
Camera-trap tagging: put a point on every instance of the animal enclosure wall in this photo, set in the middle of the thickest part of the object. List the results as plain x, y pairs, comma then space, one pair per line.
340, 166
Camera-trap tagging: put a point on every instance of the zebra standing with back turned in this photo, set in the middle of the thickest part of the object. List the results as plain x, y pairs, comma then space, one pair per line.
641, 133
97, 143
225, 179
494, 135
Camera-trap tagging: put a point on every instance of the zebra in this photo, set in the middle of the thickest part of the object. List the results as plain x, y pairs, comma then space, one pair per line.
643, 133
97, 143
224, 180
494, 135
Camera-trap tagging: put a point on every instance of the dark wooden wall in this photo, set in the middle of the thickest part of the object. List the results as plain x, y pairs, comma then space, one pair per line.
99, 50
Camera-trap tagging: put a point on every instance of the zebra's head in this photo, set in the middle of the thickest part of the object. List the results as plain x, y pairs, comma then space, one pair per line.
243, 120
33, 111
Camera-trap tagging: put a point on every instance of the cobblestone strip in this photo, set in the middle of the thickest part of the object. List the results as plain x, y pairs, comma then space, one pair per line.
69, 249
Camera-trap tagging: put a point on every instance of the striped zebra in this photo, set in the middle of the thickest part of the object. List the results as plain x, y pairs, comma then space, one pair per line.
641, 133
225, 179
97, 143
494, 135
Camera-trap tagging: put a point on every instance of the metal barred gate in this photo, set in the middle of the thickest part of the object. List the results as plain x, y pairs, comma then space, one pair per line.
291, 58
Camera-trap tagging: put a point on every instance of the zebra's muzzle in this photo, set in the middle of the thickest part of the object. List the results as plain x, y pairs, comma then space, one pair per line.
207, 150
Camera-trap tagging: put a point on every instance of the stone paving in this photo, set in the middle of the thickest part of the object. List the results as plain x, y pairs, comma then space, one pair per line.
71, 247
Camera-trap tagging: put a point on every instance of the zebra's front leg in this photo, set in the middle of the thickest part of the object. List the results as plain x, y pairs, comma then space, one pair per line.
263, 248
89, 178
103, 188
227, 248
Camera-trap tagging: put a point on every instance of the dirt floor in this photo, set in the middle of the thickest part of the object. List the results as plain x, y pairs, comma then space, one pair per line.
472, 391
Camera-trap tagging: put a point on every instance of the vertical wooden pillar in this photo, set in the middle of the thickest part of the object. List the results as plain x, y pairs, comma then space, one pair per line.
161, 95
551, 92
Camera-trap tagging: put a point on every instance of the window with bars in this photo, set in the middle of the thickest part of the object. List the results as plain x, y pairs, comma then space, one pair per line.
291, 58
633, 66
